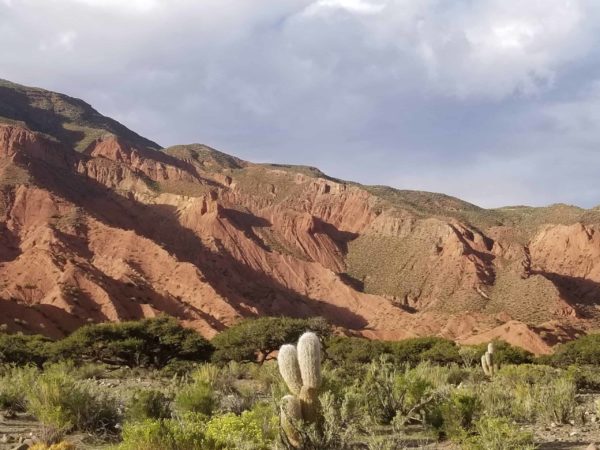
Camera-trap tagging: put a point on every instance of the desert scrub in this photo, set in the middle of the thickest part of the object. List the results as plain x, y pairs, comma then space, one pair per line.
184, 433
556, 401
439, 376
254, 429
459, 413
404, 396
15, 382
60, 401
22, 349
496, 433
218, 378
148, 404
197, 397
528, 394
528, 373
64, 445
178, 369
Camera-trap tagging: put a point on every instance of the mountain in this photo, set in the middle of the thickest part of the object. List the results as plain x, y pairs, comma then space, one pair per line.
98, 223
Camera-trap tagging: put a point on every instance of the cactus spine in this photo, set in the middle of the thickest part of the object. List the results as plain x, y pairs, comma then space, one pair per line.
487, 361
300, 368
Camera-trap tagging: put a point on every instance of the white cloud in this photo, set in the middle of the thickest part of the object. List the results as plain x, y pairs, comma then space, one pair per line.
64, 40
424, 83
354, 6
122, 5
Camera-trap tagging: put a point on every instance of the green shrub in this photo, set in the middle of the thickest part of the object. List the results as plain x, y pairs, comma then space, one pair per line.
147, 343
22, 349
342, 350
251, 429
556, 400
252, 340
178, 368
528, 373
88, 371
210, 374
148, 404
197, 397
403, 396
496, 433
470, 355
440, 376
582, 351
186, 433
433, 349
62, 402
504, 353
15, 382
586, 377
459, 412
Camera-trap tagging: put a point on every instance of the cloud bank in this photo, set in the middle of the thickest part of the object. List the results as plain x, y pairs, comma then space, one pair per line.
494, 101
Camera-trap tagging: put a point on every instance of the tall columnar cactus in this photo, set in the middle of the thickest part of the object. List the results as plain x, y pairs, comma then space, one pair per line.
301, 370
487, 361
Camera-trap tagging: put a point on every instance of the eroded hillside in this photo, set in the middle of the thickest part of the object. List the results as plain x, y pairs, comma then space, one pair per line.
102, 226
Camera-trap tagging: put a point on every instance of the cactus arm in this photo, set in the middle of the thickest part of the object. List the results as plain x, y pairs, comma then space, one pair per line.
287, 360
290, 417
309, 359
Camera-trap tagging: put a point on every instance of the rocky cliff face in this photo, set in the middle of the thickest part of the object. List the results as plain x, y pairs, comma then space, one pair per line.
118, 230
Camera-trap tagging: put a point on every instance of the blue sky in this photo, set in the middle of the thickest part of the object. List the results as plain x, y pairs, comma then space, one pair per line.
494, 101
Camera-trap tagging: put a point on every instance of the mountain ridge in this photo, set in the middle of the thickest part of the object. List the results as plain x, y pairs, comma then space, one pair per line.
121, 231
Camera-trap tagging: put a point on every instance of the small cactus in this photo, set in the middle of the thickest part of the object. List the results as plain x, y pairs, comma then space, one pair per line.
487, 361
301, 370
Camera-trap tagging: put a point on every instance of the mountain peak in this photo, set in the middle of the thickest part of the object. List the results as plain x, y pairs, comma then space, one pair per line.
66, 119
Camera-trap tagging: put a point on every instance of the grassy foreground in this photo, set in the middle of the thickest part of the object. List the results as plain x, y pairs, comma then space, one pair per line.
123, 391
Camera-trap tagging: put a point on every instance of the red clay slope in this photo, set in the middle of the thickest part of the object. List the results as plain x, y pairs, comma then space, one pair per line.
118, 232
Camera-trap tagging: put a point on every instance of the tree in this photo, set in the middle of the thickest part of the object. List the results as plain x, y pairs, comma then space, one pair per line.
23, 349
149, 342
252, 340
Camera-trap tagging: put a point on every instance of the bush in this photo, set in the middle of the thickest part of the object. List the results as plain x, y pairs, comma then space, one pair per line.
343, 350
403, 396
62, 402
248, 430
585, 377
186, 433
252, 340
504, 353
197, 397
64, 445
15, 383
582, 351
556, 401
22, 349
459, 412
148, 404
495, 433
178, 368
432, 349
146, 343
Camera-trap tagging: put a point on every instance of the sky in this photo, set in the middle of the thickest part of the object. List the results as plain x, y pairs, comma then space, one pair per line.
496, 102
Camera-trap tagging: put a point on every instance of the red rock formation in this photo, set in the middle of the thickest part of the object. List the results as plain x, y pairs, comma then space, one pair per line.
101, 235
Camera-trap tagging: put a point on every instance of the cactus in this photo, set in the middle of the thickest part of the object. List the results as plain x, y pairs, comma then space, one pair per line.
300, 368
487, 361
289, 368
291, 415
